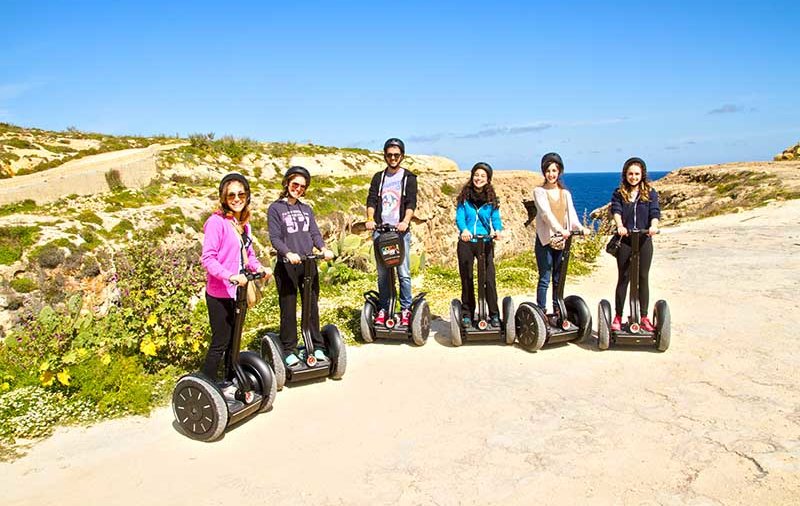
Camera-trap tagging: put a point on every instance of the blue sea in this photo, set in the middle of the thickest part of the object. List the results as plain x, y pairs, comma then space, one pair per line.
591, 190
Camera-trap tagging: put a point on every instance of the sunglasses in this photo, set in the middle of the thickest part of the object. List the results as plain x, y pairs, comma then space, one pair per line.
297, 186
240, 195
393, 155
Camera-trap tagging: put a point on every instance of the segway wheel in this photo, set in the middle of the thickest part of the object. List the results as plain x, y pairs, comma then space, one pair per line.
271, 351
531, 326
337, 350
367, 319
199, 408
662, 317
261, 378
509, 323
455, 322
579, 313
603, 325
420, 323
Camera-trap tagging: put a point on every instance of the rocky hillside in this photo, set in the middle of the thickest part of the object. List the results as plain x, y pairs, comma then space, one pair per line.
790, 153
53, 246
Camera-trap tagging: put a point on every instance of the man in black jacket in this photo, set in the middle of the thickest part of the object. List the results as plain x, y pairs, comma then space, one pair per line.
392, 199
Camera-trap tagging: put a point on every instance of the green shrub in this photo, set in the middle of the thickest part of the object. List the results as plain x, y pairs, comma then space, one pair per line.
49, 256
117, 384
23, 285
114, 180
24, 206
16, 142
13, 241
156, 281
89, 216
122, 227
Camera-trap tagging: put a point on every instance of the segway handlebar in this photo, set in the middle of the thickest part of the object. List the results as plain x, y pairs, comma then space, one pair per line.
312, 256
481, 237
641, 231
385, 227
575, 232
251, 276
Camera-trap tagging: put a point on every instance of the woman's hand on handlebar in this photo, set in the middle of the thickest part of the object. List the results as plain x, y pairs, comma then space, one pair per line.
293, 258
497, 235
238, 279
327, 254
622, 231
565, 233
267, 272
653, 230
466, 236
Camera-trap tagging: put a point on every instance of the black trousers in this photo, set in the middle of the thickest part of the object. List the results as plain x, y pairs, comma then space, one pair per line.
467, 253
221, 312
623, 278
289, 281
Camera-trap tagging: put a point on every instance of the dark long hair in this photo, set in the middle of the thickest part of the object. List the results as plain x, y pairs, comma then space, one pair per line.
469, 192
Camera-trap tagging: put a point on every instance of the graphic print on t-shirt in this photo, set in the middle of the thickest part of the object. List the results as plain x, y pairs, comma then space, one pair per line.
390, 198
295, 221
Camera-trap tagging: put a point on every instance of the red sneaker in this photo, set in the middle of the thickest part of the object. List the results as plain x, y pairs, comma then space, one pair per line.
380, 319
616, 325
647, 325
405, 317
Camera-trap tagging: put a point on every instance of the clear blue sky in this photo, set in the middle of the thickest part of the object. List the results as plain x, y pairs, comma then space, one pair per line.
677, 83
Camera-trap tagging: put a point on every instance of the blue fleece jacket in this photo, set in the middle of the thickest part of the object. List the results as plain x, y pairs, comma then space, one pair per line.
478, 221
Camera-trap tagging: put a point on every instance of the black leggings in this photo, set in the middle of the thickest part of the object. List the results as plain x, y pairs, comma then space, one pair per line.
289, 280
467, 253
220, 316
623, 262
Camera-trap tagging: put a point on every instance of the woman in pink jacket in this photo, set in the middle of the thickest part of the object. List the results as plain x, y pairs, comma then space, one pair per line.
227, 234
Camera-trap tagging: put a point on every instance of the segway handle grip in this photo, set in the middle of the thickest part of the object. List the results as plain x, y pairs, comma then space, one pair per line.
641, 231
482, 236
385, 227
254, 275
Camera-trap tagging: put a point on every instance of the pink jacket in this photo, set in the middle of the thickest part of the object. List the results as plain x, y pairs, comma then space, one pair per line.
222, 253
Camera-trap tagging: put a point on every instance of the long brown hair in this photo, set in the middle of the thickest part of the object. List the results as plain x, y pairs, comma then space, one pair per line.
469, 190
226, 211
644, 187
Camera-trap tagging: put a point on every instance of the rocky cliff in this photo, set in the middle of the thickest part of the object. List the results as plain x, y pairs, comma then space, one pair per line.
788, 154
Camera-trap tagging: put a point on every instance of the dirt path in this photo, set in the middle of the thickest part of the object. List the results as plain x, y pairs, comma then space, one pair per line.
715, 420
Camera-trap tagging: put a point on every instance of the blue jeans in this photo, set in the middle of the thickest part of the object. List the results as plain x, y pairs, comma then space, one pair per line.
548, 261
404, 272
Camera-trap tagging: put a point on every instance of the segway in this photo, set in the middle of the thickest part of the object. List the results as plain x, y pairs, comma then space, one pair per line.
204, 408
570, 321
481, 330
632, 333
309, 367
390, 251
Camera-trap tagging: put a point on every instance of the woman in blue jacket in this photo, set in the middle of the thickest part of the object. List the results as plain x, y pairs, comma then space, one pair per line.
634, 205
478, 213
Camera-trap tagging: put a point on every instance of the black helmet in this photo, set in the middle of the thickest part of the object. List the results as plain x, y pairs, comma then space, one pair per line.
486, 167
394, 141
634, 160
234, 176
296, 169
552, 158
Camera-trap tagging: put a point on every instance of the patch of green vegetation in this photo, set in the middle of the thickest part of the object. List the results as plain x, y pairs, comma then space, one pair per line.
89, 216
449, 190
48, 256
114, 180
18, 143
14, 240
133, 199
23, 285
24, 206
59, 149
122, 227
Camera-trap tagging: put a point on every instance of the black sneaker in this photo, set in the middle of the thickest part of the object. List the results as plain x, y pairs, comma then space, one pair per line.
494, 321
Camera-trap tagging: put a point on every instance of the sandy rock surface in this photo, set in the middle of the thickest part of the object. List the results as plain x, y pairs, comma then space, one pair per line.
714, 420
